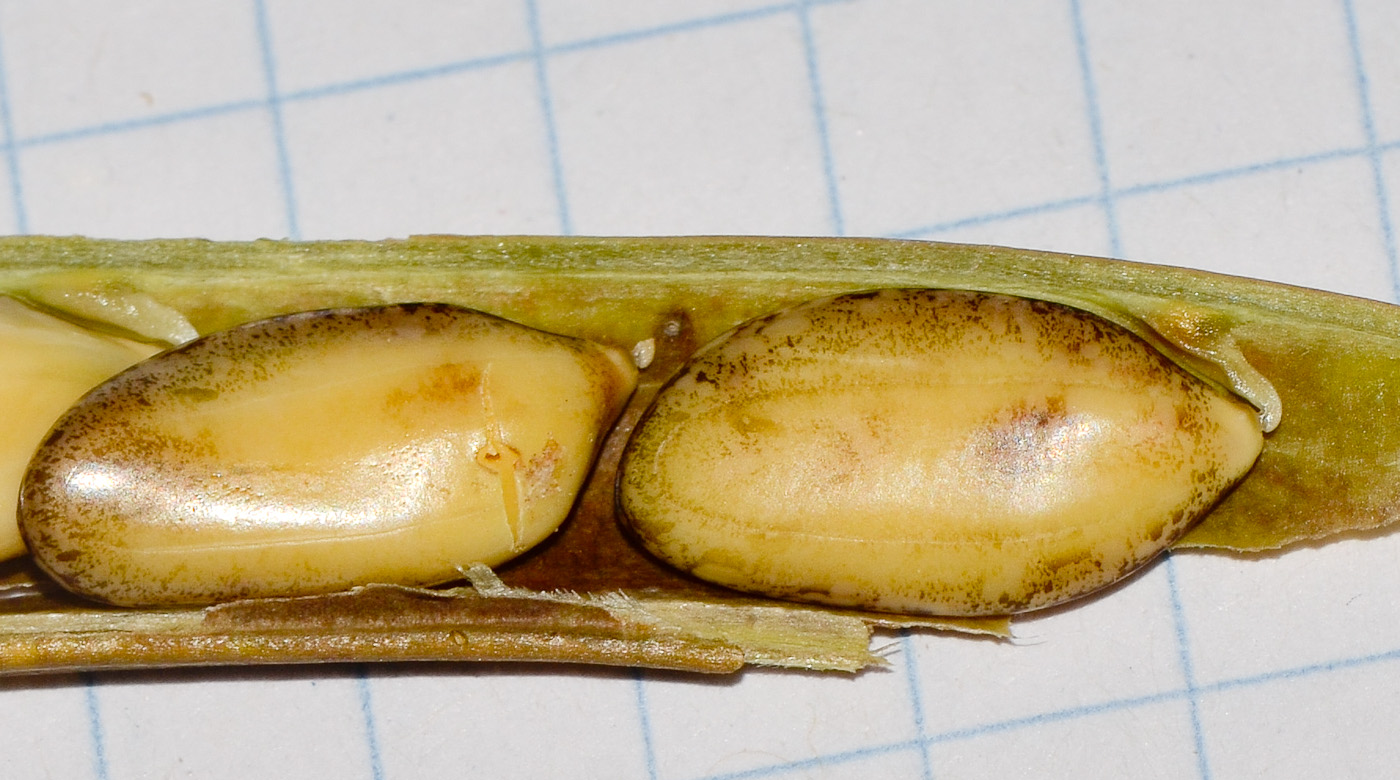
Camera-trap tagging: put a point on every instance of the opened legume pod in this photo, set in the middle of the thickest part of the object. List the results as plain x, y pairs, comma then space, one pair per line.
1319, 370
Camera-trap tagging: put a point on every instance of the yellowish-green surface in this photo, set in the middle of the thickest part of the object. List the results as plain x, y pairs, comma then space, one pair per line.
1324, 371
929, 452
319, 451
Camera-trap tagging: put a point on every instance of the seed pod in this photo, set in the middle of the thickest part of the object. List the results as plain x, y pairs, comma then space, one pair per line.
934, 452
313, 452
1327, 367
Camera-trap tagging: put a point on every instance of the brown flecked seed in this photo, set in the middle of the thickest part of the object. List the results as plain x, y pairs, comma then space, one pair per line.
48, 364
933, 452
317, 451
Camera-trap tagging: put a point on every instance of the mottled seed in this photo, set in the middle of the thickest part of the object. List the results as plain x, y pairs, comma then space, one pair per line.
935, 452
317, 451
47, 365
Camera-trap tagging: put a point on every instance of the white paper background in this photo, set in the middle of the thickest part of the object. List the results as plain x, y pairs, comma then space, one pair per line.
1253, 137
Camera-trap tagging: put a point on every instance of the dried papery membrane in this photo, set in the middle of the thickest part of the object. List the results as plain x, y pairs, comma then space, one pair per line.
317, 451
46, 364
1202, 341
924, 451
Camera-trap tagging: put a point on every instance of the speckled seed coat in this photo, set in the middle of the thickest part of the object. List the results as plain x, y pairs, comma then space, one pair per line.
317, 451
926, 451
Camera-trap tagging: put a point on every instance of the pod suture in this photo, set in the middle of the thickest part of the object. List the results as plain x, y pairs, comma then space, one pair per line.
1334, 363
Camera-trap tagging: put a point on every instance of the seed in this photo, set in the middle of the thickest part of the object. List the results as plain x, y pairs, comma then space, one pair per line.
316, 451
48, 364
933, 452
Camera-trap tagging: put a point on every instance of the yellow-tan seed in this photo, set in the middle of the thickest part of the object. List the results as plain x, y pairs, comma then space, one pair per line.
317, 451
933, 452
46, 365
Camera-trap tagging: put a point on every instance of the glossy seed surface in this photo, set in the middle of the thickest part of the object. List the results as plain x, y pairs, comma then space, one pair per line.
45, 365
926, 451
317, 451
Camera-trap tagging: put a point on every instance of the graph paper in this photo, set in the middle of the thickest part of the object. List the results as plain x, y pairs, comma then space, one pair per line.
1250, 137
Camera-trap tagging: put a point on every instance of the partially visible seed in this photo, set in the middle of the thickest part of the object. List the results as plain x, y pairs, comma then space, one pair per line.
935, 452
45, 366
317, 451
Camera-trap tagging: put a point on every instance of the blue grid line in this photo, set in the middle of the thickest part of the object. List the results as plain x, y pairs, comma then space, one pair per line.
91, 705
910, 654
11, 155
1187, 666
274, 111
992, 217
138, 123
1063, 715
1235, 172
1138, 190
1056, 716
293, 96
95, 734
13, 145
683, 27
546, 101
1223, 686
1302, 672
1368, 124
1109, 207
366, 696
1072, 713
828, 760
814, 83
639, 686
1104, 197
410, 76
1095, 119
